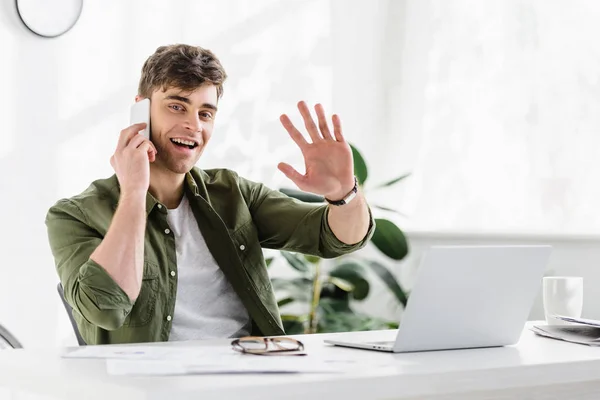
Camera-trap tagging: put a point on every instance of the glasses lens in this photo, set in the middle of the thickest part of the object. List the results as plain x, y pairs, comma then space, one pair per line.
287, 344
253, 344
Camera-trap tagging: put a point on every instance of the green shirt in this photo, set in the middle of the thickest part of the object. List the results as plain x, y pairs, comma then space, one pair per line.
237, 218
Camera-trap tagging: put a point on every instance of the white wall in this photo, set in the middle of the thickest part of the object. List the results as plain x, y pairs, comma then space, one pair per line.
493, 108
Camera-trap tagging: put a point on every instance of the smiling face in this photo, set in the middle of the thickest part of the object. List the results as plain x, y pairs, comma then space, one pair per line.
182, 124
183, 84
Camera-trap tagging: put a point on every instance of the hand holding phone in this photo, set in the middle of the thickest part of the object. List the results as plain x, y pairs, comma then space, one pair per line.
134, 152
140, 112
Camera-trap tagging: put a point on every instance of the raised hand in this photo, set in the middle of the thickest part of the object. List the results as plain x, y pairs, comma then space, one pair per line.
327, 157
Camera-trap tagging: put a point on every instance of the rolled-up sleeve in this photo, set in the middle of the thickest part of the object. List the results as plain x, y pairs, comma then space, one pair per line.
332, 246
286, 223
88, 288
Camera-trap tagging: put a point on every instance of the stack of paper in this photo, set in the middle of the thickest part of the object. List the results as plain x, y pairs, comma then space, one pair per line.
144, 352
235, 365
582, 331
167, 360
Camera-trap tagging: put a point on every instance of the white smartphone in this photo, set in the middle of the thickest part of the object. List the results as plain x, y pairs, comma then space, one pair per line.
140, 112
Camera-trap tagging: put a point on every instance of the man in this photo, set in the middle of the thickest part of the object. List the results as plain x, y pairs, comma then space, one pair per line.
163, 250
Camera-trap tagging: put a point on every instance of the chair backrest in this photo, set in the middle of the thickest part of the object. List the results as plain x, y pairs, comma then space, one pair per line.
7, 340
61, 293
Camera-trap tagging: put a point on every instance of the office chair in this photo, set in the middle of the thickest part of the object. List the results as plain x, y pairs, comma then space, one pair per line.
7, 340
61, 293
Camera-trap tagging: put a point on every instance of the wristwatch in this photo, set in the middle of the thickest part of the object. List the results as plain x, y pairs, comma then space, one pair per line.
348, 198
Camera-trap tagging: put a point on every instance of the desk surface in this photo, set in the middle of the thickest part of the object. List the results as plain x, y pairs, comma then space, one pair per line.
538, 367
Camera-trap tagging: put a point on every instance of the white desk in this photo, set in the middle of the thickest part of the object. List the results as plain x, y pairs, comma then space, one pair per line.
535, 368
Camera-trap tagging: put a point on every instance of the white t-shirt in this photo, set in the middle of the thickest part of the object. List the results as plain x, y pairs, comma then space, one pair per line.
206, 305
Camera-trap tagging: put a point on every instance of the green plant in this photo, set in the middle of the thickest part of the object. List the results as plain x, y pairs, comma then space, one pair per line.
327, 293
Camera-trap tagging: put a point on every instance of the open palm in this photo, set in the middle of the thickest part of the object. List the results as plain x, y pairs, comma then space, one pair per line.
328, 157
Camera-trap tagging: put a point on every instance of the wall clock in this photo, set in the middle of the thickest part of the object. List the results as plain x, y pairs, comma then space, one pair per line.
49, 18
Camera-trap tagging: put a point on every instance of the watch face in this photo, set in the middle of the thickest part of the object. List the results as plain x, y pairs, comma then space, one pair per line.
49, 18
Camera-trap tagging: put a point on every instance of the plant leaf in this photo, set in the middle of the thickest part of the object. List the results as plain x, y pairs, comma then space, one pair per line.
293, 324
328, 306
392, 182
389, 239
279, 283
354, 273
331, 291
284, 301
296, 262
312, 259
291, 317
269, 261
341, 283
303, 196
386, 276
346, 321
297, 288
360, 166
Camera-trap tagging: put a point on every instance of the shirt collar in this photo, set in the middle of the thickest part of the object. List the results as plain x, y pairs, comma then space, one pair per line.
190, 182
151, 202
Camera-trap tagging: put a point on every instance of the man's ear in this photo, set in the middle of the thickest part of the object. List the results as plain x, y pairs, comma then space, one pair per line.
138, 98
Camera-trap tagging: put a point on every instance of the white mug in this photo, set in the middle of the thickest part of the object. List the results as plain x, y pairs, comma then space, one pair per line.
563, 295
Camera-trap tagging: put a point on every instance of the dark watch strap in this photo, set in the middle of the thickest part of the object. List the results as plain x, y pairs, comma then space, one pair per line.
348, 198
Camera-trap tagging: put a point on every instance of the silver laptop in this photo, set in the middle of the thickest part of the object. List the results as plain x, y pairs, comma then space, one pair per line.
466, 297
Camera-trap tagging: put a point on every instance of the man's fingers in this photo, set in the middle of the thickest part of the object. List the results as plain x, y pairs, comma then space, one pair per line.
323, 126
337, 128
148, 148
153, 147
292, 174
309, 123
152, 152
151, 155
294, 133
139, 142
135, 142
128, 133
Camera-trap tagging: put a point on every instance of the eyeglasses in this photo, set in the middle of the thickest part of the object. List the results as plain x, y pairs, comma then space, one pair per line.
262, 346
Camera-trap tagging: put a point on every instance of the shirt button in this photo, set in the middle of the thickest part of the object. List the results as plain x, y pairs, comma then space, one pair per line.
242, 247
172, 273
167, 231
160, 206
169, 318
